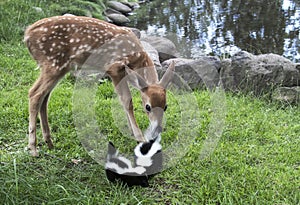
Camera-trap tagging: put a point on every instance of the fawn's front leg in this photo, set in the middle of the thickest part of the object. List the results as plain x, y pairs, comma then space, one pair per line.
121, 87
126, 100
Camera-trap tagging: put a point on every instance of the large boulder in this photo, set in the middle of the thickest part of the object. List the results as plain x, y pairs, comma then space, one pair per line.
199, 73
260, 74
166, 48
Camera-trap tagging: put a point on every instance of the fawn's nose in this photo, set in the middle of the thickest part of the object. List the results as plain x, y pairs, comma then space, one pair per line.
153, 131
158, 129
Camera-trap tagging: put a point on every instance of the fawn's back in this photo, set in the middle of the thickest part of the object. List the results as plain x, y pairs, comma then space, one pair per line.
59, 41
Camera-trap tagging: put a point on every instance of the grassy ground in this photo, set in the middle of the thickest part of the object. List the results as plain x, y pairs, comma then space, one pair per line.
256, 161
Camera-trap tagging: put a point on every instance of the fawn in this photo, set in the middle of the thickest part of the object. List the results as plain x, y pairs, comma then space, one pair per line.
59, 43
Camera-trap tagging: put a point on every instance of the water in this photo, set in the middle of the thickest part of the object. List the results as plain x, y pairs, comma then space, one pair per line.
223, 27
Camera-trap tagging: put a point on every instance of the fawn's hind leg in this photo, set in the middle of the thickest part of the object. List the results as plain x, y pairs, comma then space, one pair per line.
44, 121
38, 98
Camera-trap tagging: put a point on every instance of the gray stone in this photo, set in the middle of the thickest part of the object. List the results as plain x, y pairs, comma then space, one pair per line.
38, 9
136, 31
289, 95
133, 5
108, 19
166, 48
152, 52
200, 73
298, 66
258, 74
118, 19
227, 76
111, 11
119, 7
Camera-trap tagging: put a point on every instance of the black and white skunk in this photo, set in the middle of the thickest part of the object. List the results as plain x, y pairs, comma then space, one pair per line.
147, 162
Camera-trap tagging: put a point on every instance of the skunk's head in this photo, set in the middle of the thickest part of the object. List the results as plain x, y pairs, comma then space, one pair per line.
148, 155
148, 161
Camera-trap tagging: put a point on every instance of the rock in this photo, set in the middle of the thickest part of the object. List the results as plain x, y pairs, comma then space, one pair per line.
258, 74
109, 11
119, 7
199, 73
136, 31
143, 1
118, 19
108, 19
298, 66
289, 95
132, 5
226, 75
166, 48
38, 9
152, 52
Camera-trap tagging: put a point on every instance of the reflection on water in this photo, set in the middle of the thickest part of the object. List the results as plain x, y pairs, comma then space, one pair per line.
223, 27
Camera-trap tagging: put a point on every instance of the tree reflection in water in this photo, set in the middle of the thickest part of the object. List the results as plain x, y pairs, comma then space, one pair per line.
222, 27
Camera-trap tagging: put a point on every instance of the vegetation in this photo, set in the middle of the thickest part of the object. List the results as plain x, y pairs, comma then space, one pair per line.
16, 15
256, 160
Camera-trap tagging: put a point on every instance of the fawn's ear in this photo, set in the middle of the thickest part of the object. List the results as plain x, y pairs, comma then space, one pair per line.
135, 79
167, 77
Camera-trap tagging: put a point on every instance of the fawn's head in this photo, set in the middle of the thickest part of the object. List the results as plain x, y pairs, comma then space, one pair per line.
153, 98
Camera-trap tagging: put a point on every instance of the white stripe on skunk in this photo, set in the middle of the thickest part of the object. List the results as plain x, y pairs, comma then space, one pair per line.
147, 162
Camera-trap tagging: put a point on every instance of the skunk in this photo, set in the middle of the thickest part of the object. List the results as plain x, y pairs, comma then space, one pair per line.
147, 162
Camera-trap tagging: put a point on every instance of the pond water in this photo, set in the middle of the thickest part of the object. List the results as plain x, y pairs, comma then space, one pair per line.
223, 27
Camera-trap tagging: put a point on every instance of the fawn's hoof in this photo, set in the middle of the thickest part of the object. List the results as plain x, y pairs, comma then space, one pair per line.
50, 144
33, 152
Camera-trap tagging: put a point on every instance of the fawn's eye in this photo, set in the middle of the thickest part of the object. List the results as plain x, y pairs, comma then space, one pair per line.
148, 108
166, 107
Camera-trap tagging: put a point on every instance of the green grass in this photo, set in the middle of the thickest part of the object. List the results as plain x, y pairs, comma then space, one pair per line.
256, 161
